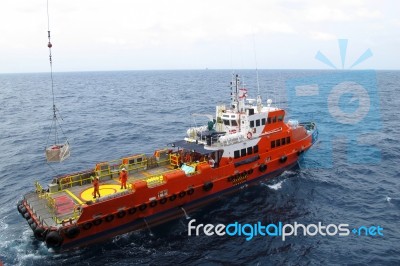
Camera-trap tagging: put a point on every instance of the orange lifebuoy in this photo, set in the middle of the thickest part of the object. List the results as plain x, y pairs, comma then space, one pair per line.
249, 135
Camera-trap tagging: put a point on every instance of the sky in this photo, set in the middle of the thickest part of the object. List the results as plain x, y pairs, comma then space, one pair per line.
99, 35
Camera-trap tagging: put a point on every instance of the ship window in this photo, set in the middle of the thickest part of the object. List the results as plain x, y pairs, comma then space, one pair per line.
249, 150
280, 118
274, 119
237, 154
232, 116
251, 123
255, 149
139, 160
226, 122
272, 144
257, 122
278, 142
263, 121
234, 123
269, 120
283, 141
131, 161
287, 140
243, 152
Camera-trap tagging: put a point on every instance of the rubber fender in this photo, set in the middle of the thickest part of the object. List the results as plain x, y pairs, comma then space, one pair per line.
72, 232
54, 239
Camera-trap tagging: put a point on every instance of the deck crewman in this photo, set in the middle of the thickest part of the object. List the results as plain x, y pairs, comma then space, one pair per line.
123, 177
96, 186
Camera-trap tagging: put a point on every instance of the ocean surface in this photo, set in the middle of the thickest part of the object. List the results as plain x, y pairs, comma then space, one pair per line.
107, 115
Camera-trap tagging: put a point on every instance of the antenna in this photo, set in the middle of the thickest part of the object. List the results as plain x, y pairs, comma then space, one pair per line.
259, 101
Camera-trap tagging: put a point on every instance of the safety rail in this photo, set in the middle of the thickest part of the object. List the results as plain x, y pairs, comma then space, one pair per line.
75, 180
74, 216
174, 158
39, 189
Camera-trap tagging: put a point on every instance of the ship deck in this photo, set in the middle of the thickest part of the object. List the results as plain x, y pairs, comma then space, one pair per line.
54, 208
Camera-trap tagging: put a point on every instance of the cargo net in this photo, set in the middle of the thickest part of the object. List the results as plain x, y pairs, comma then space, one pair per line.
58, 152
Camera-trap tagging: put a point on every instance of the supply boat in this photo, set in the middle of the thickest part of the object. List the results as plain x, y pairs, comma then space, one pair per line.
244, 143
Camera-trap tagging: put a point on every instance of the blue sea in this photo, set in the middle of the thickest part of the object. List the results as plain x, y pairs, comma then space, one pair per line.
350, 176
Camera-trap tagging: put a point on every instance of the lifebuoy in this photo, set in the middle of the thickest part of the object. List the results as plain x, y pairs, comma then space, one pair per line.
208, 186
182, 194
249, 135
143, 207
72, 232
172, 197
121, 214
163, 200
97, 221
109, 218
53, 239
39, 233
262, 168
283, 159
87, 226
190, 191
132, 210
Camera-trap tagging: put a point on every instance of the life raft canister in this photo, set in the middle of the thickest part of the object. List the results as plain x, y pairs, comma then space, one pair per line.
54, 239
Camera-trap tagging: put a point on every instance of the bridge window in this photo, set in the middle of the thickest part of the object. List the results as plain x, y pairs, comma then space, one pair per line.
234, 123
274, 119
283, 141
243, 152
236, 154
263, 121
278, 142
280, 118
252, 123
287, 140
226, 122
249, 150
272, 144
255, 149
269, 120
257, 122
